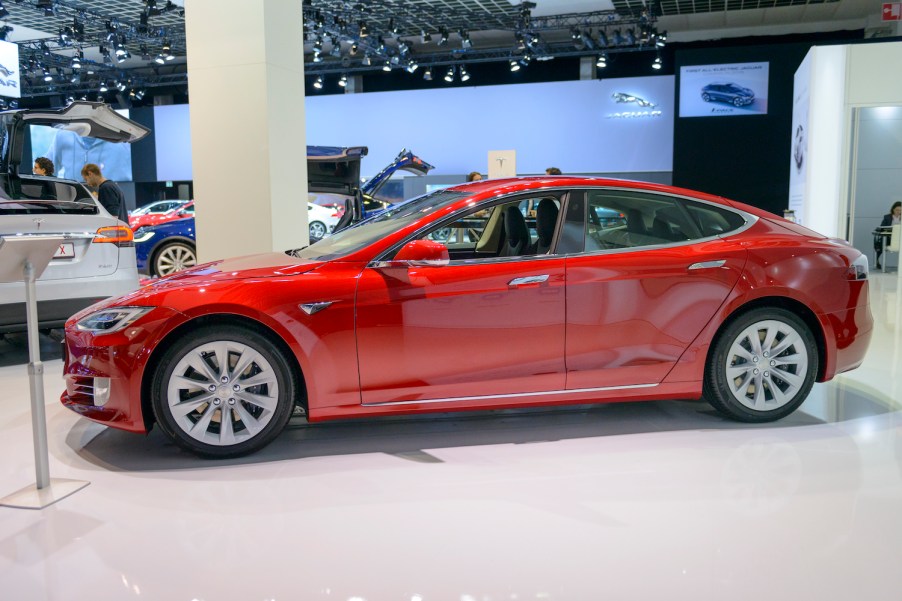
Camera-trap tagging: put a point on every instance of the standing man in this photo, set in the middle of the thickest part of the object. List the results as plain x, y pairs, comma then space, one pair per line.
108, 193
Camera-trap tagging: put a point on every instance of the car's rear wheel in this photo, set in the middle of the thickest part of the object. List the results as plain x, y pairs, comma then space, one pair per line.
223, 391
706, 97
317, 230
737, 102
762, 366
174, 257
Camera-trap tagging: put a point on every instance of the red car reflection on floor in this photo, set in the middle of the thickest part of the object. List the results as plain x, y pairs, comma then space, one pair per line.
458, 300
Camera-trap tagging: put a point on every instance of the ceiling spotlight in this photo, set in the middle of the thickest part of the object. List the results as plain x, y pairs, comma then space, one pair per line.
392, 26
75, 77
602, 39
630, 37
318, 82
465, 39
343, 82
386, 66
449, 76
515, 66
464, 74
427, 74
140, 94
354, 48
574, 34
586, 39
367, 61
3, 12
525, 60
123, 57
425, 37
317, 57
412, 66
363, 29
167, 47
318, 44
336, 50
444, 39
602, 61
120, 85
46, 6
618, 39
76, 60
47, 75
657, 62
661, 39
103, 87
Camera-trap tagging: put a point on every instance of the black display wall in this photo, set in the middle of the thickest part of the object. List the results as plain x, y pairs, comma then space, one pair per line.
745, 158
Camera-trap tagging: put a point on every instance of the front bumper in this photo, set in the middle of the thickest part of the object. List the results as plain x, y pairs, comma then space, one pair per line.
122, 357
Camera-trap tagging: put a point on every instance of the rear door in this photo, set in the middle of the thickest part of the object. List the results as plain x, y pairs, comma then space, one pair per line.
639, 292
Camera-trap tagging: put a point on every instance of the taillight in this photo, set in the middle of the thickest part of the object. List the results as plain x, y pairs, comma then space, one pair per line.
120, 235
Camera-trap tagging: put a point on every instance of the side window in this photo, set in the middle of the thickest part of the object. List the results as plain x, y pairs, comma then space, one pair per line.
35, 189
623, 219
713, 221
522, 227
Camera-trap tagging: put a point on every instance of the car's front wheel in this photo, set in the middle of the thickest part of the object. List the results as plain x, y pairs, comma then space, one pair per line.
737, 102
223, 391
173, 257
762, 366
706, 97
317, 230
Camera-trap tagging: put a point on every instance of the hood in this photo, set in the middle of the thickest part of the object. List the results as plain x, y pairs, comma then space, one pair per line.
87, 119
333, 169
266, 265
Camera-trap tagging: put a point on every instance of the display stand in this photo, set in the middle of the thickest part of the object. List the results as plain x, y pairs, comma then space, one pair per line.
26, 258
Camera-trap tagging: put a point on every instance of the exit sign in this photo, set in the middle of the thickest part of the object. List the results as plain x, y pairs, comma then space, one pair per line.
892, 11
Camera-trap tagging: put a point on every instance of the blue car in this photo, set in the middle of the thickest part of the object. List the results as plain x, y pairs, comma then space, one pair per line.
728, 92
334, 171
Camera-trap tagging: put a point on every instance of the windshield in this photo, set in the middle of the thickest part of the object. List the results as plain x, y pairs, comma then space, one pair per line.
370, 230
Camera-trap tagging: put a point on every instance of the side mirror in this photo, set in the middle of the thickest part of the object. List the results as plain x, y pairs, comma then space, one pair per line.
421, 253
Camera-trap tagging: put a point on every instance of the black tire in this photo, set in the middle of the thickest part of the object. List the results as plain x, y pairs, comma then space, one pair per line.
778, 379
318, 230
255, 413
173, 257
706, 97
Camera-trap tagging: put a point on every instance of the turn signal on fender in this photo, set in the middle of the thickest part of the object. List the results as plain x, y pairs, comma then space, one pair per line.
119, 235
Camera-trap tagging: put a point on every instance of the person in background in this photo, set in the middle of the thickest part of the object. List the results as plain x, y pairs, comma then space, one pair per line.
474, 176
552, 171
894, 217
108, 193
43, 166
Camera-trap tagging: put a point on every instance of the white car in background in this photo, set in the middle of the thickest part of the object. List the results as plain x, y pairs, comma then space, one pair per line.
321, 220
96, 260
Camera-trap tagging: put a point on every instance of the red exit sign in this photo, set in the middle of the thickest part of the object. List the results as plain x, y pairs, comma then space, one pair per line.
892, 11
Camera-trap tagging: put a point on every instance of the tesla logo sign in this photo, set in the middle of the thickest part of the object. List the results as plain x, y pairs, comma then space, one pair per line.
647, 107
9, 69
892, 11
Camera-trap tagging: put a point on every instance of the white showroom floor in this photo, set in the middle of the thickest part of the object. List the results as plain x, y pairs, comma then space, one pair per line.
660, 500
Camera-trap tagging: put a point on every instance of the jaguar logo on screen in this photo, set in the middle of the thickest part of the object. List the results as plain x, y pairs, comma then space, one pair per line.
5, 72
651, 108
9, 72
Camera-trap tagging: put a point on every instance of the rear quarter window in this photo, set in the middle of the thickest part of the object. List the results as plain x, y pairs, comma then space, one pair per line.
714, 221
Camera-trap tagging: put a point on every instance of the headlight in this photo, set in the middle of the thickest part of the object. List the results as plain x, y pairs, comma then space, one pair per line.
143, 234
111, 320
858, 270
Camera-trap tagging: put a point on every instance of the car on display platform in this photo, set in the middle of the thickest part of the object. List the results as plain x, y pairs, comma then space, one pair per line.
728, 92
332, 176
96, 259
691, 297
182, 211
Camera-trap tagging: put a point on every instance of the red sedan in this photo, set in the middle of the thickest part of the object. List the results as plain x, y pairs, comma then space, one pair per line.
682, 296
181, 212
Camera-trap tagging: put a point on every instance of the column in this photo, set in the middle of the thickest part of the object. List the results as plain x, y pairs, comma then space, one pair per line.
246, 87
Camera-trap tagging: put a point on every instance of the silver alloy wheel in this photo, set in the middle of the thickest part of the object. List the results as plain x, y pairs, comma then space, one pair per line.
222, 393
174, 257
317, 230
767, 365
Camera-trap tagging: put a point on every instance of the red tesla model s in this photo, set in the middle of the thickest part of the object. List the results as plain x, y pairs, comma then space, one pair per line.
494, 294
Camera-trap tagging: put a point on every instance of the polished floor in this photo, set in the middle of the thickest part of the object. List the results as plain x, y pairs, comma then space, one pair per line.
660, 500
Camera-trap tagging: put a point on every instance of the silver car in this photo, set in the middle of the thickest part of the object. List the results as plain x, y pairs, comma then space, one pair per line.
97, 258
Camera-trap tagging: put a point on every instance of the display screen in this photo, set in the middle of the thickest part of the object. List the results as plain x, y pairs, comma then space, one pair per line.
172, 133
70, 152
723, 90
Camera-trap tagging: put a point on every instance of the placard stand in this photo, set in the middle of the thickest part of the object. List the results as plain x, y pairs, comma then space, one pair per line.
26, 258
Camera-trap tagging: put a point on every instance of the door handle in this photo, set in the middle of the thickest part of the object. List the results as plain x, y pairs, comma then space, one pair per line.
707, 264
530, 279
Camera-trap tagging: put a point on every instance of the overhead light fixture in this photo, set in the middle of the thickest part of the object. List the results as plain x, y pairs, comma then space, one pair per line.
103, 87
425, 37
464, 74
586, 39
123, 57
618, 38
336, 50
392, 26
465, 39
427, 74
515, 66
602, 61
120, 85
353, 50
444, 39
317, 57
449, 76
661, 39
630, 37
412, 66
602, 39
525, 60
656, 64
367, 61
47, 75
3, 12
386, 66
364, 31
140, 94
76, 59
318, 82
343, 81
46, 6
